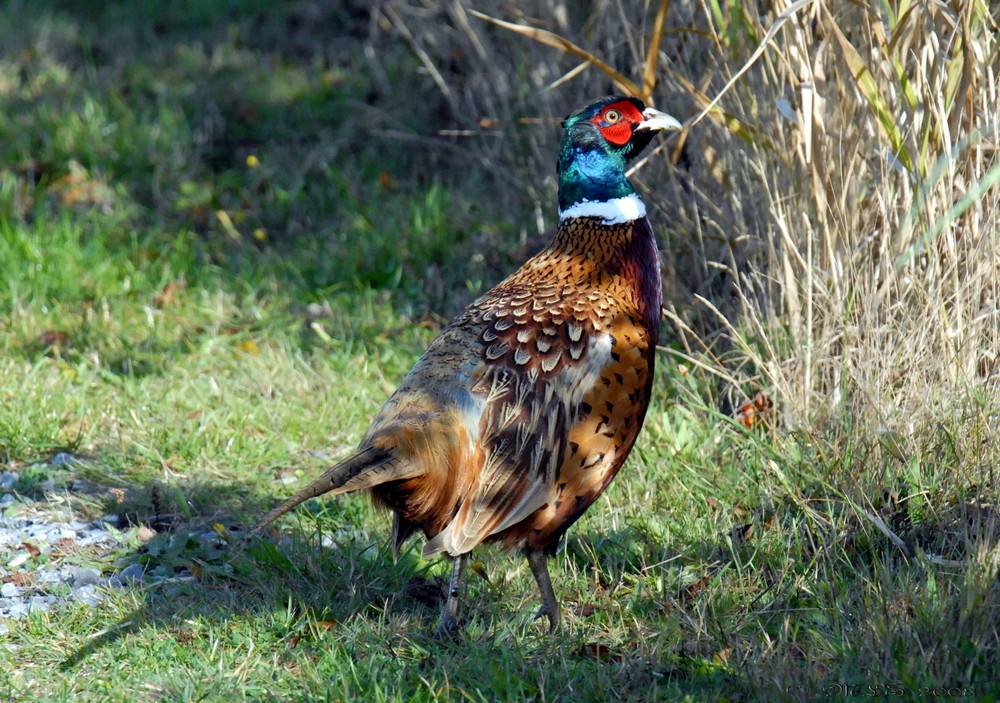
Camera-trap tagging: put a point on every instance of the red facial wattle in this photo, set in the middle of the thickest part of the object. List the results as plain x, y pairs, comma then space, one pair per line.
618, 131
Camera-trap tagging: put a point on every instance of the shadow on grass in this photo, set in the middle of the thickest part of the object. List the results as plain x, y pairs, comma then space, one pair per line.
342, 596
344, 592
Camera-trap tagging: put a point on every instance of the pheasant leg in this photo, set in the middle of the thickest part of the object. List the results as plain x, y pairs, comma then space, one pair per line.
537, 560
452, 606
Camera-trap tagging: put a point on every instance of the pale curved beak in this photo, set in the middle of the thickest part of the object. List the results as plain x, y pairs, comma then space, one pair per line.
655, 120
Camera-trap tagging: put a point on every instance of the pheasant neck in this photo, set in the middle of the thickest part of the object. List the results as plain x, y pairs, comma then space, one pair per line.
590, 176
624, 252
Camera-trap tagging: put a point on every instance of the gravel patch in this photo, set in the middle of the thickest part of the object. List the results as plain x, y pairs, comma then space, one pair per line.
49, 557
23, 539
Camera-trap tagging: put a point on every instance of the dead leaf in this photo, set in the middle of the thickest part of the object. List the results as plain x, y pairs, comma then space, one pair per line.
311, 631
79, 187
598, 652
759, 411
387, 182
741, 533
19, 578
31, 549
168, 295
694, 588
56, 339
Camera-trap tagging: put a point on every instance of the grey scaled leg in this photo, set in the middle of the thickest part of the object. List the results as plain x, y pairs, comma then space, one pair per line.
452, 606
550, 606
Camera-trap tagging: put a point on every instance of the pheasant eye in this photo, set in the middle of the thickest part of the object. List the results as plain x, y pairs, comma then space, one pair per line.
612, 116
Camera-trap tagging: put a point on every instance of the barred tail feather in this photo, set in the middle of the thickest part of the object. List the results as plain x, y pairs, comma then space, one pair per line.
366, 469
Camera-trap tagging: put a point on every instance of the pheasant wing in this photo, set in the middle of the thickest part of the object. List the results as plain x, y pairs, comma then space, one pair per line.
541, 355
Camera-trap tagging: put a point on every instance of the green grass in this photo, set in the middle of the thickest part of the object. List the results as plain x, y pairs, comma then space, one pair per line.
201, 370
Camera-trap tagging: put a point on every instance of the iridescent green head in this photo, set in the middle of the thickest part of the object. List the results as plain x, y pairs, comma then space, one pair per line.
601, 140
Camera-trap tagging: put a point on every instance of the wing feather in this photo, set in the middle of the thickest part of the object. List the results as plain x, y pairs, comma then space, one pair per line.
524, 426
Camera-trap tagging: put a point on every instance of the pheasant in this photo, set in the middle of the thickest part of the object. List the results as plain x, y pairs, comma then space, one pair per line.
526, 405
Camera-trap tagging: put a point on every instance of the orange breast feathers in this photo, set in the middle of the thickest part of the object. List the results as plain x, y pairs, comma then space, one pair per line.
517, 453
524, 409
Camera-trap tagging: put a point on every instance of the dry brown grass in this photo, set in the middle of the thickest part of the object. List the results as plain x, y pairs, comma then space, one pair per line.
838, 245
830, 237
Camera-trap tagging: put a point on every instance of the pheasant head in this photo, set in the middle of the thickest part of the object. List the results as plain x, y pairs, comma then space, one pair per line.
601, 140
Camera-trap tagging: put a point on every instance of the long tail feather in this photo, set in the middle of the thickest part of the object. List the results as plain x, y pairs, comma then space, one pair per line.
365, 469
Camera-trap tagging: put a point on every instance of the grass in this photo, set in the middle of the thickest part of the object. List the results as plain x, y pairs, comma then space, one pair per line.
225, 237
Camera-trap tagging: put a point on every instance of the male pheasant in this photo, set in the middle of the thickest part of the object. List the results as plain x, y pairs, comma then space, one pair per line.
523, 409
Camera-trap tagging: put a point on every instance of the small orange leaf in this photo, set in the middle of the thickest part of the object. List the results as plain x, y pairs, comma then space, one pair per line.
758, 410
79, 187
57, 339
19, 578
168, 294
741, 533
694, 588
598, 652
31, 549
387, 182
311, 631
